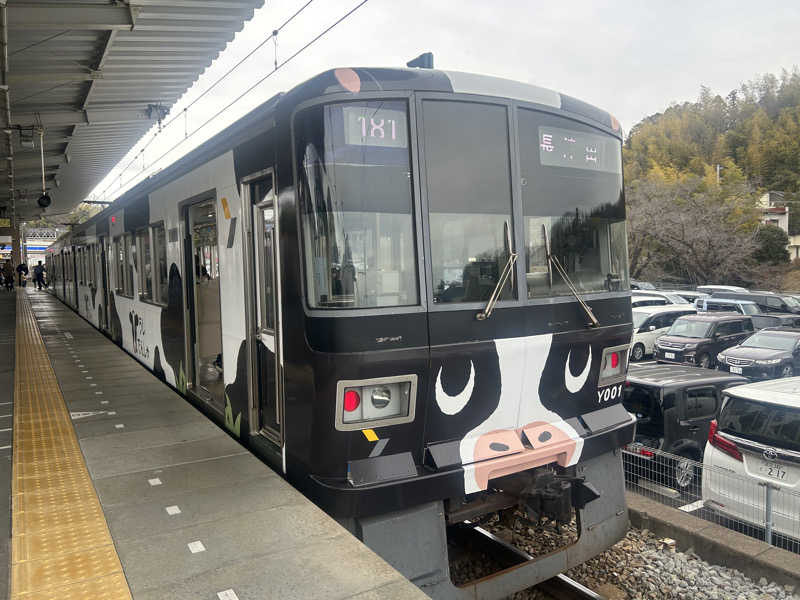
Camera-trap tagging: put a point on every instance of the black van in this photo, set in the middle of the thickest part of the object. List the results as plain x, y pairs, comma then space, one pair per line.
697, 339
674, 406
767, 301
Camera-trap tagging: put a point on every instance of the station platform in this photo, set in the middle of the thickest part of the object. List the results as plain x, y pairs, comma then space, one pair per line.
119, 488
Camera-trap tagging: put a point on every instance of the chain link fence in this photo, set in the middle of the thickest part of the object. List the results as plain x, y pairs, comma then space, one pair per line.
758, 508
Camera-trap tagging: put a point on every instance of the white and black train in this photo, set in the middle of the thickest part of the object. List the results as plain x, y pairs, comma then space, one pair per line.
406, 290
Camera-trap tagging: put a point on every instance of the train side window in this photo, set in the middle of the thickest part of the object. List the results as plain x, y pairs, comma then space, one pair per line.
160, 266
119, 265
145, 266
468, 169
130, 263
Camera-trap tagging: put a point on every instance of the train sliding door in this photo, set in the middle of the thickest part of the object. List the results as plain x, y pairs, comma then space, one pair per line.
205, 316
266, 332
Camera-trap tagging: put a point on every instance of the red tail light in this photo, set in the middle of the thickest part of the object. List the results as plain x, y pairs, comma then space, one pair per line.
351, 400
614, 360
719, 442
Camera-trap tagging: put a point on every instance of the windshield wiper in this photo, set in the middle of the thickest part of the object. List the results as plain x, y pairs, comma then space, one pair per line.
552, 260
508, 271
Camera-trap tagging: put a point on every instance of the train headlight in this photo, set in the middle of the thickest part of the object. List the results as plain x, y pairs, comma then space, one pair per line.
613, 366
375, 402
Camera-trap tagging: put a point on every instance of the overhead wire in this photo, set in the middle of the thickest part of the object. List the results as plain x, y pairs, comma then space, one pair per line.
248, 90
184, 111
260, 81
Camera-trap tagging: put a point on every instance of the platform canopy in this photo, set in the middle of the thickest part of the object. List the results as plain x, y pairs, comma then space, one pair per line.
94, 76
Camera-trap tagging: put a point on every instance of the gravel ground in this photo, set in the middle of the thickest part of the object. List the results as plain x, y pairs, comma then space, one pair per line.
639, 567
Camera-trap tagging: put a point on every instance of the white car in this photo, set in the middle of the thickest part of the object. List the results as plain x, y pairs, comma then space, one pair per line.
710, 289
647, 301
753, 443
670, 297
687, 295
651, 322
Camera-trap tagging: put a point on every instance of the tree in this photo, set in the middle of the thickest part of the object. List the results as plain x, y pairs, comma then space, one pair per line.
685, 231
771, 242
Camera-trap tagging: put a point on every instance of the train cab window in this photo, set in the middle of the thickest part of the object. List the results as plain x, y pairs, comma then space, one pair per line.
573, 204
468, 170
356, 204
145, 266
160, 259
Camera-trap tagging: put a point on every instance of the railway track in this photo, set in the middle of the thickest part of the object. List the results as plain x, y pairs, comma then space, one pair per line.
479, 542
564, 588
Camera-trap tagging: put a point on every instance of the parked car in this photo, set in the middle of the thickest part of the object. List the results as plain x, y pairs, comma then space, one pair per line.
767, 301
641, 285
713, 304
651, 322
756, 440
670, 297
767, 354
710, 289
689, 296
647, 301
674, 406
697, 339
765, 320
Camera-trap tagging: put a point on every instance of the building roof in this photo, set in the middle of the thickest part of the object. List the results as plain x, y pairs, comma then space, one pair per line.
96, 76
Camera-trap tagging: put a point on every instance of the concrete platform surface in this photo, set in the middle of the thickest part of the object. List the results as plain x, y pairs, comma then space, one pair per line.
191, 512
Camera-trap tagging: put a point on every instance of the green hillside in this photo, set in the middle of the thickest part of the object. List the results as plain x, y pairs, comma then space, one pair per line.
693, 174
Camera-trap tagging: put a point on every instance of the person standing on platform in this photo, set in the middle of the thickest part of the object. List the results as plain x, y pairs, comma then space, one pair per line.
8, 275
38, 275
22, 271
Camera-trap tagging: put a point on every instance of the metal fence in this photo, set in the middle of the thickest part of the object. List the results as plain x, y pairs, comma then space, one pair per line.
760, 509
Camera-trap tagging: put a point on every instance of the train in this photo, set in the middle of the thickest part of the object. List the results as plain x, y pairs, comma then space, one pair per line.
406, 290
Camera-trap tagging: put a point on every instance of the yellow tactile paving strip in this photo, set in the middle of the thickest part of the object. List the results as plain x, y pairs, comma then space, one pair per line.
60, 546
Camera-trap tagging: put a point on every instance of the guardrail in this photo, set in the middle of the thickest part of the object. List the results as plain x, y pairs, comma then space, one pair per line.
761, 509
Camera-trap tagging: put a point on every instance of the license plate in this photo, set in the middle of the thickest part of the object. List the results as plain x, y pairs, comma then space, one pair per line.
669, 355
737, 370
773, 469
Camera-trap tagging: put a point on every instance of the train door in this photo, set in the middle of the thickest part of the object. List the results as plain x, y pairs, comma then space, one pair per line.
203, 295
103, 317
266, 383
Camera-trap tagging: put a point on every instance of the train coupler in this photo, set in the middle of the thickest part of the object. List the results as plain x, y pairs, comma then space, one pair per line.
554, 496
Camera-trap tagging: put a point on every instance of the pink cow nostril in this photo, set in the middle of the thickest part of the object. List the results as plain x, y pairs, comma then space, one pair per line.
545, 436
498, 447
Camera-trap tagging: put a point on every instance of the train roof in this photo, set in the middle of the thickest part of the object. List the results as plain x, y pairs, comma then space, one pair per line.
357, 80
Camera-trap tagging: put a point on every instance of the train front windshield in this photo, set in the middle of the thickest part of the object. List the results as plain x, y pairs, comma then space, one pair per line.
356, 205
572, 199
355, 186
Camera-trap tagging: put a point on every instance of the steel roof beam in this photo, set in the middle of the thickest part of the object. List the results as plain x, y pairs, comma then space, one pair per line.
69, 16
79, 117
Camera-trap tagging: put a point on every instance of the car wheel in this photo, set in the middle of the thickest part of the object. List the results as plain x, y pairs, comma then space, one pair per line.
787, 371
637, 353
684, 473
704, 360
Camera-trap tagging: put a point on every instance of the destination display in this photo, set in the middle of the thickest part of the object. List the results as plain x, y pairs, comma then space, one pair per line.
579, 150
369, 126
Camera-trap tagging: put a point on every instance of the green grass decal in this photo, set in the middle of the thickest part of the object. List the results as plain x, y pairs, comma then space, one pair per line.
233, 426
181, 382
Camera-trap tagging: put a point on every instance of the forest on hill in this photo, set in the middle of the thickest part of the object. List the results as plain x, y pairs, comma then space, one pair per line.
693, 175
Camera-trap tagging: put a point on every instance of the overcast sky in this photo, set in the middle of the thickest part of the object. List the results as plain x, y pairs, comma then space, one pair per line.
632, 58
